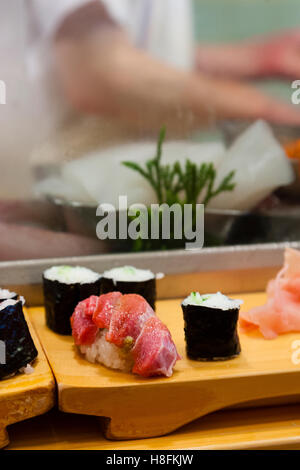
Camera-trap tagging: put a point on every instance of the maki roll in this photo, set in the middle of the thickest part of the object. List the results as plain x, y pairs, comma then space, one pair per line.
16, 345
130, 280
210, 326
64, 287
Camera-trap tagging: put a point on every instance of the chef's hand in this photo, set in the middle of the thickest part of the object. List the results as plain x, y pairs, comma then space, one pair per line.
102, 73
27, 232
273, 56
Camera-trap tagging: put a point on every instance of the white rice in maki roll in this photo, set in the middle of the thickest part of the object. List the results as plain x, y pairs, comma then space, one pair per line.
131, 280
6, 294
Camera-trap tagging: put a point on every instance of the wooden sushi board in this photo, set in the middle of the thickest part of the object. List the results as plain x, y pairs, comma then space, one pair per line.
25, 396
139, 408
261, 428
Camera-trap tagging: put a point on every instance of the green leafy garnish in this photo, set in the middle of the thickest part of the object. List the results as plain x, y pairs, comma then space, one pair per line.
129, 270
64, 270
178, 183
181, 183
196, 298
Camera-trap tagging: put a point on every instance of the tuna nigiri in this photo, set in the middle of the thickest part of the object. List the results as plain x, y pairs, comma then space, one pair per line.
281, 312
123, 332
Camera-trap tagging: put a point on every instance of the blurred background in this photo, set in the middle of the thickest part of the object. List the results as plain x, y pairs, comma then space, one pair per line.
90, 84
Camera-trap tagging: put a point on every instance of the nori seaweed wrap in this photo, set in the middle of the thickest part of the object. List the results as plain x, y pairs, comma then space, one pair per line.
210, 326
64, 287
130, 280
17, 347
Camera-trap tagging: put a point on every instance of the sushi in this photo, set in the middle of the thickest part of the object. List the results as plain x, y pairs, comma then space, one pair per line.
16, 345
281, 312
130, 280
64, 287
122, 332
210, 326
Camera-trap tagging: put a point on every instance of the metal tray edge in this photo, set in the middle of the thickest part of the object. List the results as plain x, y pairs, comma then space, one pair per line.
169, 262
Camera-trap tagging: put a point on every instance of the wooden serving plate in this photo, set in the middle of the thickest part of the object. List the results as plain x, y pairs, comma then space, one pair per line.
138, 407
24, 396
261, 428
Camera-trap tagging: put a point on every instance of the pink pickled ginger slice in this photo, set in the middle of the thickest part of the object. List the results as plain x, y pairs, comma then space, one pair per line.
281, 313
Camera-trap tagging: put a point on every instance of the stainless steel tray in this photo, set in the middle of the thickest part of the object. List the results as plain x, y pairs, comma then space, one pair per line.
222, 227
229, 269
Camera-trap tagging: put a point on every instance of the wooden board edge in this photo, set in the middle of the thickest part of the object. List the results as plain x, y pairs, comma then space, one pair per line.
36, 402
26, 404
140, 424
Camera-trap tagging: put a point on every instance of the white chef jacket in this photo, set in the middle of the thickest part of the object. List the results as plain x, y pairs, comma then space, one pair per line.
34, 106
163, 27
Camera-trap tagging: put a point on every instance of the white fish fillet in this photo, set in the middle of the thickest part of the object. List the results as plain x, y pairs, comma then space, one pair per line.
100, 176
260, 166
258, 159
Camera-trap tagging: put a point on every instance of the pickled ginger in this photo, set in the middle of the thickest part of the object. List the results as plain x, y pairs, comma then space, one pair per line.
281, 312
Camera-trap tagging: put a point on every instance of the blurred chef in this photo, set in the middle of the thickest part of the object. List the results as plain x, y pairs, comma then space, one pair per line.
130, 61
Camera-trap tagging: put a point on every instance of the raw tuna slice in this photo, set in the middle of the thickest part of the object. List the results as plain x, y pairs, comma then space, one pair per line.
92, 314
154, 352
107, 304
281, 313
84, 330
128, 320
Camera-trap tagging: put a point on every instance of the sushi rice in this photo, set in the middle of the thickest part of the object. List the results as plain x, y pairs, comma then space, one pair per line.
7, 302
6, 294
71, 275
218, 300
128, 274
107, 353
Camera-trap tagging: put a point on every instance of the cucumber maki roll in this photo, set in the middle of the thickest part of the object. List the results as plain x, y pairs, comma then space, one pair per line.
130, 280
210, 326
64, 287
16, 345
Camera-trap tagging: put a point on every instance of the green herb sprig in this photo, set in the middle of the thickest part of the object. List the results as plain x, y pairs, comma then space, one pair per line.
181, 183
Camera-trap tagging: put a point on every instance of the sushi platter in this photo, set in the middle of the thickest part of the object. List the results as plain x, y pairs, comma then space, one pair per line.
141, 408
149, 364
26, 395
